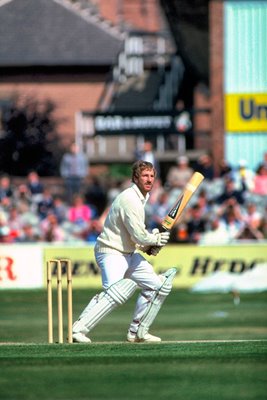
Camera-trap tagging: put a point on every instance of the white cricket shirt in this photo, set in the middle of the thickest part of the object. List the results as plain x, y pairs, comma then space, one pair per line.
124, 227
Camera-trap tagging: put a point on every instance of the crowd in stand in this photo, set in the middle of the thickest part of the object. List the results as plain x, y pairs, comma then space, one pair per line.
226, 208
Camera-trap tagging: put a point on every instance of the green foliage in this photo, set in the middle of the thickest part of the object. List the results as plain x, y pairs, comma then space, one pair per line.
29, 139
120, 171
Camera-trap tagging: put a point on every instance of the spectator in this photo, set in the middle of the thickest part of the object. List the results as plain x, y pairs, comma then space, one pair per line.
73, 169
6, 189
46, 204
115, 187
5, 236
23, 195
95, 196
146, 153
249, 233
215, 234
205, 166
80, 213
264, 161
232, 221
27, 215
155, 193
252, 216
230, 192
158, 211
225, 169
179, 233
35, 186
60, 209
51, 230
263, 224
203, 202
6, 203
195, 223
15, 223
179, 174
260, 181
30, 234
93, 232
243, 176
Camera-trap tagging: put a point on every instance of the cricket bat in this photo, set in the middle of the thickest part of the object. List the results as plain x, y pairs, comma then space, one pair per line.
175, 212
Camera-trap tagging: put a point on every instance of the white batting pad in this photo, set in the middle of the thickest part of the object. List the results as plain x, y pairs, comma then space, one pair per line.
156, 303
103, 303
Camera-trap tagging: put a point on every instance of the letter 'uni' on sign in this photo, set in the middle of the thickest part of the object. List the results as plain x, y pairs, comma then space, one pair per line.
246, 112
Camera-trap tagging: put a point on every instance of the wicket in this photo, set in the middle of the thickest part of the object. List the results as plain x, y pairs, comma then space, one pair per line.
58, 263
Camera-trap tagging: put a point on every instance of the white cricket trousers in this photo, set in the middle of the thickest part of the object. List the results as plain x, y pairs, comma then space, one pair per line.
115, 267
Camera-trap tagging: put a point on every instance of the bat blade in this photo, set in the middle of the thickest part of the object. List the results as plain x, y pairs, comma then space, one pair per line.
174, 214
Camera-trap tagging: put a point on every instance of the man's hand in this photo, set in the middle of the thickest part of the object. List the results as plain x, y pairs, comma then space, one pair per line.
153, 251
163, 238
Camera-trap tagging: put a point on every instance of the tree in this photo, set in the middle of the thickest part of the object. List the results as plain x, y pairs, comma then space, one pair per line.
29, 139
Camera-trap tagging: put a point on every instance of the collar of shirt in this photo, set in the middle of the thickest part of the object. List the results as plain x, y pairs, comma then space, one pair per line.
140, 195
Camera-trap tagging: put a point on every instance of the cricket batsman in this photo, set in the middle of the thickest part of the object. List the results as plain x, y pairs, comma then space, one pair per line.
123, 268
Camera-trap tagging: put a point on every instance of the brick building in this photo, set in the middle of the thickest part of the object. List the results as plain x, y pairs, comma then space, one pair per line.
67, 50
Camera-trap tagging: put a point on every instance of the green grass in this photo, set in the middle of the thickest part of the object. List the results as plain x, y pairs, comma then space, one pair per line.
231, 366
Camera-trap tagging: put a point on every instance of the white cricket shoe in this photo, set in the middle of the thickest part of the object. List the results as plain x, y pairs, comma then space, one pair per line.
148, 338
80, 338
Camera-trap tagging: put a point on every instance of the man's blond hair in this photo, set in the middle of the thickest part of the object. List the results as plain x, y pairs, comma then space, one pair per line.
139, 166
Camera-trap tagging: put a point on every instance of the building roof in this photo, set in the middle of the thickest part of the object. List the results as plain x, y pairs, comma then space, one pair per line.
52, 33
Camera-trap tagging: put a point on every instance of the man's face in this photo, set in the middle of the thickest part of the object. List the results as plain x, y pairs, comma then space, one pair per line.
145, 181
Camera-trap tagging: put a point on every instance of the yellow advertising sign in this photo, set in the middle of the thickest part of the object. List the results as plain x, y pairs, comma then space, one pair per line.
192, 262
246, 112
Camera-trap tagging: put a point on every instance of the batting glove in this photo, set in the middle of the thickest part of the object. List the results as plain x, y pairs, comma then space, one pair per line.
163, 238
155, 250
